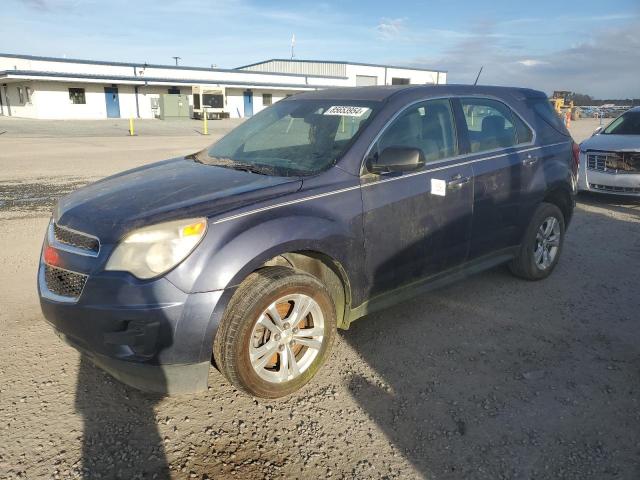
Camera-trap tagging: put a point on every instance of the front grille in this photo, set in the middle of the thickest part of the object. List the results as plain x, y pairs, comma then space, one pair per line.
614, 162
63, 282
76, 239
596, 162
609, 188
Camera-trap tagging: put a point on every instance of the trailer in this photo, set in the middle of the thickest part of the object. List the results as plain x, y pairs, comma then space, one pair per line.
211, 100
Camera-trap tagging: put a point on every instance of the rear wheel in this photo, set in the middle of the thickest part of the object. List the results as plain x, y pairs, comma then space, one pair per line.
542, 244
276, 332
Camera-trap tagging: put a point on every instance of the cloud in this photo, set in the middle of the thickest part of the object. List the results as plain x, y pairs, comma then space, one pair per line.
390, 28
604, 63
530, 62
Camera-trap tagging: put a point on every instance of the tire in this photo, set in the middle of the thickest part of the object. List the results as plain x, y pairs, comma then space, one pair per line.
528, 263
250, 327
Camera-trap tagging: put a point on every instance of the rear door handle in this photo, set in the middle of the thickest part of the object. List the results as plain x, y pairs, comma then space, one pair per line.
529, 161
457, 181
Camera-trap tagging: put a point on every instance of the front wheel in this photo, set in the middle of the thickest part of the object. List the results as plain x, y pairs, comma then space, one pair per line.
276, 332
542, 244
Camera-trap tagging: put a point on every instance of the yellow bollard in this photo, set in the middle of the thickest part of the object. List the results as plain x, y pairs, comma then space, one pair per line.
132, 131
206, 125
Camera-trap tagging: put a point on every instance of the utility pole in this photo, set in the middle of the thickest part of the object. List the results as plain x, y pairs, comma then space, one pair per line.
176, 59
293, 44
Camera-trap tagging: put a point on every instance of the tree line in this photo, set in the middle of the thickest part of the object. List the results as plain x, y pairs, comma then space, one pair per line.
580, 99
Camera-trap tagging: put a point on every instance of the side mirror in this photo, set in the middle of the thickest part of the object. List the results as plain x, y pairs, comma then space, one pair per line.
597, 130
398, 159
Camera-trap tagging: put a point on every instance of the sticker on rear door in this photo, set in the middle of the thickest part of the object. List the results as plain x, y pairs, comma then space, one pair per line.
438, 187
346, 111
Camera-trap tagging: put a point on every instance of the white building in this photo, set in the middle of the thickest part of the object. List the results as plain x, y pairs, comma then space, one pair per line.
60, 88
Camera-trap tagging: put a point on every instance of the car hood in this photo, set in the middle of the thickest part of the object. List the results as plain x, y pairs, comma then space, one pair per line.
173, 189
612, 143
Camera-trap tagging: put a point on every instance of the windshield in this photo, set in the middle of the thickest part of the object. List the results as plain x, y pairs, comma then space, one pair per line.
626, 124
292, 138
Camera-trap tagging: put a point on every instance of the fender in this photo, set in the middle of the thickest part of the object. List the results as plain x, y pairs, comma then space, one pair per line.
229, 265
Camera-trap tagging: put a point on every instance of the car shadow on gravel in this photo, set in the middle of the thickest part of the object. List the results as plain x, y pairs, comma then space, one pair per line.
121, 439
120, 436
495, 377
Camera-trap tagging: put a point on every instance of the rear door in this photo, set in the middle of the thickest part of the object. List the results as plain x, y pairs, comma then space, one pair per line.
500, 161
417, 223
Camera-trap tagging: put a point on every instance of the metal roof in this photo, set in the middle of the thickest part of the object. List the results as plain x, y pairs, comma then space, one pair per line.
149, 65
341, 62
149, 80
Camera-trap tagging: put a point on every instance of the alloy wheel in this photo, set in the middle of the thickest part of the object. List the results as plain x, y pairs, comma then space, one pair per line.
286, 338
547, 243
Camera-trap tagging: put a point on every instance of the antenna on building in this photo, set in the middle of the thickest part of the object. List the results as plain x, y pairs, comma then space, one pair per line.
293, 44
476, 82
176, 59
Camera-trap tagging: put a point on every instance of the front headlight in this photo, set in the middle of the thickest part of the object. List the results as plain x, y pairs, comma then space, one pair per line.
154, 250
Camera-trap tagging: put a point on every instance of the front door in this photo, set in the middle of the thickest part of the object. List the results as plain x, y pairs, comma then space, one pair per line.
417, 223
248, 103
113, 102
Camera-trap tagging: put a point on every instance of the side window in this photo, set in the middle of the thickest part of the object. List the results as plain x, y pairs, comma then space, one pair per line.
427, 126
489, 123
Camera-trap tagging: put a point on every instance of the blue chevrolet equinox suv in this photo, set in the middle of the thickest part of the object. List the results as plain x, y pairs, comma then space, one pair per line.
317, 211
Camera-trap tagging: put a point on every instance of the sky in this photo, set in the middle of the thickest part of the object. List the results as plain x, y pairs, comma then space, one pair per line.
585, 46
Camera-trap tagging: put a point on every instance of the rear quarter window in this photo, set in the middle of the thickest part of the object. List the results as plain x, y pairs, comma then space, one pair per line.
544, 110
523, 132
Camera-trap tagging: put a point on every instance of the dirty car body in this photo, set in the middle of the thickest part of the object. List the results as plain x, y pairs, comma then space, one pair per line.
372, 234
610, 159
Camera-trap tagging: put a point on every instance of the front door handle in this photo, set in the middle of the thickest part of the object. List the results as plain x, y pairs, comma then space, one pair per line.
529, 161
457, 181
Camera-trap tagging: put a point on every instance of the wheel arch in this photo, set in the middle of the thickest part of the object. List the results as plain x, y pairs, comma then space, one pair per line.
326, 269
562, 198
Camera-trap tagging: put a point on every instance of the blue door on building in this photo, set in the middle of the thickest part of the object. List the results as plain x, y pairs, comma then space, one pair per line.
113, 102
248, 103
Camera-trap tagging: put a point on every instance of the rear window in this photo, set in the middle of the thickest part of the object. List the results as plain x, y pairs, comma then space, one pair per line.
544, 110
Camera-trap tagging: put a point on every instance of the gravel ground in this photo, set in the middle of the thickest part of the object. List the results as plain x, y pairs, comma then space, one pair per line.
491, 378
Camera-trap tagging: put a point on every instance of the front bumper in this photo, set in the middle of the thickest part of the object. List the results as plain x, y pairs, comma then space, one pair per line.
626, 184
148, 334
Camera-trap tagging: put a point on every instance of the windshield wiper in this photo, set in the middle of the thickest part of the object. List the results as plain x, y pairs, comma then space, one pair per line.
246, 168
228, 163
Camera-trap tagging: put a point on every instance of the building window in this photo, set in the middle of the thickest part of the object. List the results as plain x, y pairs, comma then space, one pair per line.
20, 95
27, 93
399, 81
76, 95
267, 99
174, 91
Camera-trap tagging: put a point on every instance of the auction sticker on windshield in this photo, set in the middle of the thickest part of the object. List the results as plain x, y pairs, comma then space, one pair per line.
346, 111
